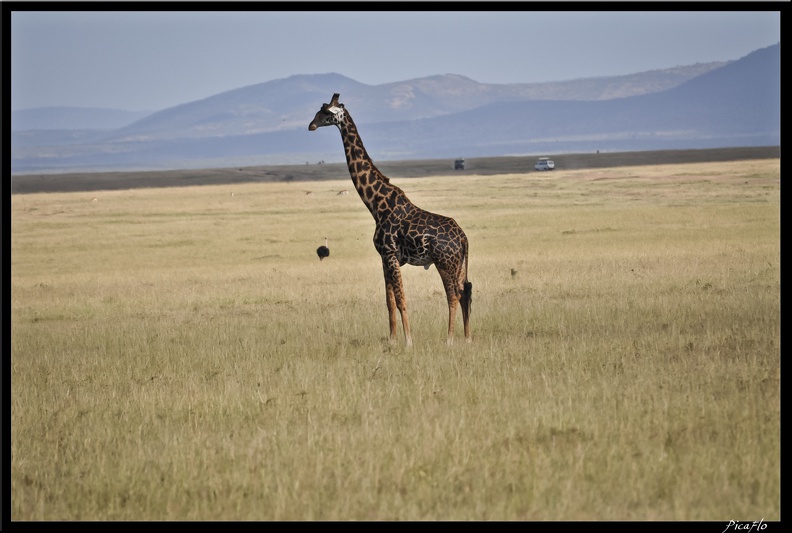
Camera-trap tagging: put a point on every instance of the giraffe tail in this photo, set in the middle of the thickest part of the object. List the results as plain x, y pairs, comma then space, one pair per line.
467, 291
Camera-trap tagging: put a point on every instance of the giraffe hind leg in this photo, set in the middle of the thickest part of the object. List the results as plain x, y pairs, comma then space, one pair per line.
452, 305
453, 295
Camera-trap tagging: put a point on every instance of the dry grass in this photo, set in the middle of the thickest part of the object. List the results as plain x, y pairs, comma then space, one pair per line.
182, 354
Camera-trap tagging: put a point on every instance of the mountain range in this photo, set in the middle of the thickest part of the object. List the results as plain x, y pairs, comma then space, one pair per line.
734, 103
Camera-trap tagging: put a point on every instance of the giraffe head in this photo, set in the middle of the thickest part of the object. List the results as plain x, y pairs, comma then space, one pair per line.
331, 114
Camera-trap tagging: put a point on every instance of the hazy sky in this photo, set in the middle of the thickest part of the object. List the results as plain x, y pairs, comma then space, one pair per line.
153, 60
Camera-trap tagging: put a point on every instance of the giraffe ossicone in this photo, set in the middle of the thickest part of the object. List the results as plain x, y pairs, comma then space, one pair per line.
404, 233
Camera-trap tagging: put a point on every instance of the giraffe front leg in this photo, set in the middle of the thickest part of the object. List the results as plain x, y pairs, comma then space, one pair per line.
395, 297
390, 300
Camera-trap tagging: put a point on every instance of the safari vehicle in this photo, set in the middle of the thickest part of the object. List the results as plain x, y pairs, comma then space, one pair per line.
459, 164
544, 163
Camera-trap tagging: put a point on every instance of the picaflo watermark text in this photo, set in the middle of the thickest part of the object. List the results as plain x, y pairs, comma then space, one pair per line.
745, 527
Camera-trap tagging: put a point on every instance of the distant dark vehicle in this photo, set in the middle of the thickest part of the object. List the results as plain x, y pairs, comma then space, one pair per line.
459, 164
544, 163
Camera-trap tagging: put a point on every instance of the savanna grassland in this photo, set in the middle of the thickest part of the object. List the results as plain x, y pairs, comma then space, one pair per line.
182, 354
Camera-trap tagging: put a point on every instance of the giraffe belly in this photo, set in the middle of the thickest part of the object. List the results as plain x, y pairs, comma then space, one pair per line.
418, 260
415, 251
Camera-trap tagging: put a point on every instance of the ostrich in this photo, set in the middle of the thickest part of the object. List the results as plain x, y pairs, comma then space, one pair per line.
323, 251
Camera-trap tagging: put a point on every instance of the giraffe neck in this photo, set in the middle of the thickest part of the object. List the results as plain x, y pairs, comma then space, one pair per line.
374, 188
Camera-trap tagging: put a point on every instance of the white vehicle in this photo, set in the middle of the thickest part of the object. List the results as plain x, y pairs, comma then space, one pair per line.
544, 163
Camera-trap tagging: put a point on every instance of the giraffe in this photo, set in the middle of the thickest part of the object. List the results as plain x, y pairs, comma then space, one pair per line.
404, 233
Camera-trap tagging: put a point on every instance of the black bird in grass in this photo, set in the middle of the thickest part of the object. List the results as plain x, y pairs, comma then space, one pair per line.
323, 251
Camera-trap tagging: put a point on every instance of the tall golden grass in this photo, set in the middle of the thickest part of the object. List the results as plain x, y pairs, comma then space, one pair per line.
182, 354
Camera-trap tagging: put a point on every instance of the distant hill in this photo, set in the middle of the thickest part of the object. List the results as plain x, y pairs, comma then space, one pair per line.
283, 104
734, 103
